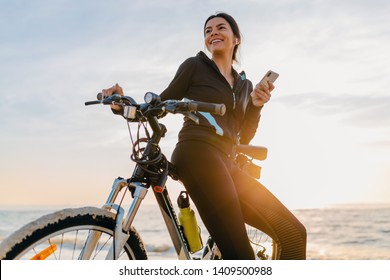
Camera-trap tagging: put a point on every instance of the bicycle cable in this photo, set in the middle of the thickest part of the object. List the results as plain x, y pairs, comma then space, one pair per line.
146, 163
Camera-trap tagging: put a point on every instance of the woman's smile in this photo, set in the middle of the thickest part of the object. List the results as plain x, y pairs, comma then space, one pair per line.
215, 41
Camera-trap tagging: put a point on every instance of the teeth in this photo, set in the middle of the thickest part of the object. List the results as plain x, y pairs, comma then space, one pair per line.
215, 41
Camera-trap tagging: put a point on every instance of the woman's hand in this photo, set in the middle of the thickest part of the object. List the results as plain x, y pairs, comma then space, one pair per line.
261, 94
110, 91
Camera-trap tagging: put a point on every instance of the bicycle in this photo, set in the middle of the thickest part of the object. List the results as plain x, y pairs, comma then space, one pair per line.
107, 232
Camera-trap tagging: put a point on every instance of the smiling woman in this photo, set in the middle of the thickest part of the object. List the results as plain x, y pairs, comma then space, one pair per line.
228, 197
222, 29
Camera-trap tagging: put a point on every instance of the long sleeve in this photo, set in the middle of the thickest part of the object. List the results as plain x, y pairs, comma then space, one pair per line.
250, 123
179, 85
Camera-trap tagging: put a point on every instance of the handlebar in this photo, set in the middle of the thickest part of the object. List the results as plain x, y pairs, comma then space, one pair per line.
133, 111
218, 109
150, 158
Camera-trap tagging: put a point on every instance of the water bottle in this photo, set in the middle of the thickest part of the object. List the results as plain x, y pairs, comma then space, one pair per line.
187, 220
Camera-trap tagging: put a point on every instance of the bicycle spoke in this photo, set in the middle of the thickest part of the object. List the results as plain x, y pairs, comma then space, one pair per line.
101, 248
61, 245
74, 246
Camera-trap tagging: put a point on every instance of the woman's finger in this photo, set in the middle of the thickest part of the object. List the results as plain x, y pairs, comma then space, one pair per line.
271, 86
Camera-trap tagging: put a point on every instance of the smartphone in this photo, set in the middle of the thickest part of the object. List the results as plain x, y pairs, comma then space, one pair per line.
269, 76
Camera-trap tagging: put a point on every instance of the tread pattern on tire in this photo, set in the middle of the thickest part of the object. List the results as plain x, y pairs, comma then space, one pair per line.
16, 243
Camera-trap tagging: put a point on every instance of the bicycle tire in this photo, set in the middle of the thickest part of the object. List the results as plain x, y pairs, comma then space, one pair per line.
66, 229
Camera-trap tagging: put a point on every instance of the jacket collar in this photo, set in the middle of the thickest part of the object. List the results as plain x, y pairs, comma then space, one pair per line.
237, 76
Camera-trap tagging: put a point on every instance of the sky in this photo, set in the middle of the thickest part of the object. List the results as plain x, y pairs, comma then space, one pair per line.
327, 126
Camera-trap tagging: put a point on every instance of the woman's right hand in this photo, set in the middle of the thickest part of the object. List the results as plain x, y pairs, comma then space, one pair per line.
261, 94
110, 91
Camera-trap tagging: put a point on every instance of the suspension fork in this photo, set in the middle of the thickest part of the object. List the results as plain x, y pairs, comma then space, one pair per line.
94, 236
139, 193
122, 229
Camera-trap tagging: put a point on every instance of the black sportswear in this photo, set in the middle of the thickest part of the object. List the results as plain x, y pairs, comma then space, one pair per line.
225, 196
198, 78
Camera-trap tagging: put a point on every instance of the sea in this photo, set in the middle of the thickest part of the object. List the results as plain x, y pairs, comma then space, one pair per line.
338, 232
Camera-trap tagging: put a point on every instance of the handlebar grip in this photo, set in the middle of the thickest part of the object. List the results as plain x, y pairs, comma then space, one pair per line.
92, 102
213, 108
256, 152
109, 99
100, 95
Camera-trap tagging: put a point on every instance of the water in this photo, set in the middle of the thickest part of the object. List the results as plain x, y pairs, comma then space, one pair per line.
353, 232
359, 232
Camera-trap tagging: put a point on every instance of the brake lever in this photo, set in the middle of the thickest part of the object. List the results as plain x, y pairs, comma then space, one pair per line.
191, 116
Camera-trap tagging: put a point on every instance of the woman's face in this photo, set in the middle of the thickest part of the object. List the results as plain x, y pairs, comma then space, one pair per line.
219, 37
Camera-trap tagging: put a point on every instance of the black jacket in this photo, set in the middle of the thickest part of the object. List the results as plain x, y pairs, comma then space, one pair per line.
198, 78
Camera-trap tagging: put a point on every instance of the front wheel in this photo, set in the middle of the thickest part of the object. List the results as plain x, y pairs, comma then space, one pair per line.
63, 235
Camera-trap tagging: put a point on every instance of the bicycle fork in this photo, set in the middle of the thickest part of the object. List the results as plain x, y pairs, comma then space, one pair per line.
122, 229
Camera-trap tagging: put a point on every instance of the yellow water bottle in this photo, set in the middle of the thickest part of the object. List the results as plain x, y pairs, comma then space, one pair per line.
187, 220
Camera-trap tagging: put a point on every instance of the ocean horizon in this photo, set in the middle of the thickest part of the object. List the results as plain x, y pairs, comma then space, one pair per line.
335, 232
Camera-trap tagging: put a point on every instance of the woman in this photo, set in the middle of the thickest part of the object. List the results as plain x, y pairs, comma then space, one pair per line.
225, 196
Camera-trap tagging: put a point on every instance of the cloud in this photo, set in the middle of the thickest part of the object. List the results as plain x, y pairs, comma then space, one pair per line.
332, 56
382, 145
358, 110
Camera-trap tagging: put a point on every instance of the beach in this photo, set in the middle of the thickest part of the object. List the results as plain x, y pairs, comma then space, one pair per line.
339, 232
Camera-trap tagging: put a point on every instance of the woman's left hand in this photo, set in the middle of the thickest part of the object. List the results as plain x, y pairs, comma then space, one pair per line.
110, 91
261, 94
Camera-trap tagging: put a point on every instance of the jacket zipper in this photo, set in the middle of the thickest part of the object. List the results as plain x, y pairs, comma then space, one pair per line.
234, 99
232, 88
242, 77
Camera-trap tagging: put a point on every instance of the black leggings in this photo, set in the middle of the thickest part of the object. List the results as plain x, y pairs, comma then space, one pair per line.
226, 198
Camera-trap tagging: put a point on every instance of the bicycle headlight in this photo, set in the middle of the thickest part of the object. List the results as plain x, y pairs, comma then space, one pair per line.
151, 98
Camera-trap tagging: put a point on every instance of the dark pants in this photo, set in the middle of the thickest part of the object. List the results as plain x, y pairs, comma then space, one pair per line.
226, 198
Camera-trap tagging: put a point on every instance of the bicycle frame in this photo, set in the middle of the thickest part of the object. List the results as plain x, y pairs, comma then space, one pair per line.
139, 189
148, 175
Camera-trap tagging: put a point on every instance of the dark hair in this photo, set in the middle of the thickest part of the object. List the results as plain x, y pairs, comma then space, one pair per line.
234, 26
